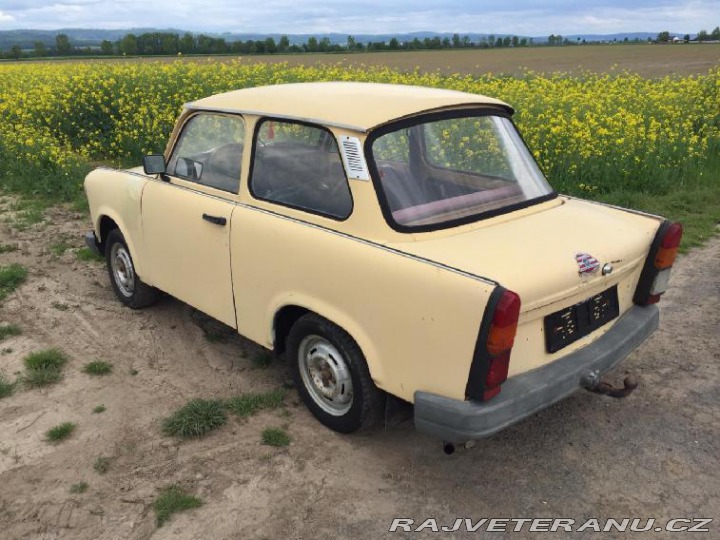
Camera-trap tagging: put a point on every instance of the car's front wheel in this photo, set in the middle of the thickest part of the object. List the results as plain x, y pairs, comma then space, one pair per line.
128, 287
331, 375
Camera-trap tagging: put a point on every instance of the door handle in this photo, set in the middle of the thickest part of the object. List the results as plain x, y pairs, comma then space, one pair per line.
215, 220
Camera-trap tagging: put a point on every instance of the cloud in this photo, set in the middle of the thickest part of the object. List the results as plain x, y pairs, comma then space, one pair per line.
525, 17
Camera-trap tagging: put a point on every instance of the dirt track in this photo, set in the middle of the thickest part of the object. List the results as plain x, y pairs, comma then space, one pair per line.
655, 454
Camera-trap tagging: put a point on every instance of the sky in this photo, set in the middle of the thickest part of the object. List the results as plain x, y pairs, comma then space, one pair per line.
524, 17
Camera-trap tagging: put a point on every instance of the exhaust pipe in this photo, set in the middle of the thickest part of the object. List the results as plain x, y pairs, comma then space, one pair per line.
592, 383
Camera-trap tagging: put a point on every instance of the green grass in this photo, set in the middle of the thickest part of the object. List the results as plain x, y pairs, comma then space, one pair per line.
43, 368
7, 248
46, 359
262, 359
11, 277
173, 499
133, 371
99, 409
60, 306
80, 487
86, 255
250, 403
8, 330
97, 367
61, 432
275, 437
102, 464
60, 247
7, 387
195, 419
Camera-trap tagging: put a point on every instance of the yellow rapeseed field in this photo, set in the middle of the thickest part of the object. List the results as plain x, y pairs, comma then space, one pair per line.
617, 137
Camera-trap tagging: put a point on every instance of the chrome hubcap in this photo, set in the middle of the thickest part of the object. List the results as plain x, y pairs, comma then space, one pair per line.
326, 375
122, 269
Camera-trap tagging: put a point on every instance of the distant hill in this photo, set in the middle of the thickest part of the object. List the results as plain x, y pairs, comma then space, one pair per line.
84, 37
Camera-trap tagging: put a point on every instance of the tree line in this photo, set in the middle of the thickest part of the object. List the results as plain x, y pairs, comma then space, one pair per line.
167, 44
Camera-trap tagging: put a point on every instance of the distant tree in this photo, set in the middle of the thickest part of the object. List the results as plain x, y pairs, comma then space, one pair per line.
551, 39
325, 45
170, 44
62, 44
686, 38
106, 47
187, 44
129, 45
312, 44
663, 37
523, 42
715, 34
703, 35
394, 44
467, 42
40, 49
624, 40
499, 42
506, 41
270, 46
491, 40
350, 43
515, 41
456, 43
283, 44
15, 52
446, 44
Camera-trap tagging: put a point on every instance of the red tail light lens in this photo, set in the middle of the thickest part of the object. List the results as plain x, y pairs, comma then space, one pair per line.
504, 324
669, 245
500, 341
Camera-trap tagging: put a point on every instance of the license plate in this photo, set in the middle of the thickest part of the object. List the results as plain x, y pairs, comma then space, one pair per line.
572, 323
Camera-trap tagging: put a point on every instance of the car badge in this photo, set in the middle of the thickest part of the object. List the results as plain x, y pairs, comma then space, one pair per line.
587, 264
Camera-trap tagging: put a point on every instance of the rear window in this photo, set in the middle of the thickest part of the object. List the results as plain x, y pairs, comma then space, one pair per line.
444, 171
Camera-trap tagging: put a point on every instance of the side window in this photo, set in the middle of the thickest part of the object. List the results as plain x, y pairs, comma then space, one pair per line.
299, 166
209, 151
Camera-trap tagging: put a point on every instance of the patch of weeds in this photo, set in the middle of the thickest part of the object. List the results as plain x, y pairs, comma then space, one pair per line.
102, 464
133, 371
99, 409
275, 437
61, 432
97, 367
195, 419
60, 306
87, 255
171, 500
7, 387
262, 359
6, 350
80, 487
7, 248
8, 330
11, 277
60, 247
250, 403
44, 367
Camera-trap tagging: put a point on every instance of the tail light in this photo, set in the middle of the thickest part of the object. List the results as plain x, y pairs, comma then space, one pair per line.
491, 361
656, 272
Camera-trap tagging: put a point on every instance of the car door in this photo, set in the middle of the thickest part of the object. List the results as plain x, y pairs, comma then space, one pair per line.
187, 215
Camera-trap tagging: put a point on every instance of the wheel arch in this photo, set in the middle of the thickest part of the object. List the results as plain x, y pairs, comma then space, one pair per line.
105, 222
286, 315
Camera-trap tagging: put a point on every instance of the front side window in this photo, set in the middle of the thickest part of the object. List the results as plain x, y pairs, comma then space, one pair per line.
443, 171
298, 165
209, 151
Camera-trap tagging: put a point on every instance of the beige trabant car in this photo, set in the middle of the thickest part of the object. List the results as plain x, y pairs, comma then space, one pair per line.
390, 240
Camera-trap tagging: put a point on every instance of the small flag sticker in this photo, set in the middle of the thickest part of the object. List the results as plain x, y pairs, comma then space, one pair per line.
586, 263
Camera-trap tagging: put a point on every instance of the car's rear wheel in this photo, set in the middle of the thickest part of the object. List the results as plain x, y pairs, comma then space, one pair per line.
128, 287
331, 375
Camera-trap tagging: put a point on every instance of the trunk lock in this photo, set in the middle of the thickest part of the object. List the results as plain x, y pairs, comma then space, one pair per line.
593, 383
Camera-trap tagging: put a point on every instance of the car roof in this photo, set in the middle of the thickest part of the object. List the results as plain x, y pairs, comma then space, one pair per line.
353, 105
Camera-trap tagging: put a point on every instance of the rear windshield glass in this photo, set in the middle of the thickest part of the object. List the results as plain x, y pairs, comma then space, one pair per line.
449, 170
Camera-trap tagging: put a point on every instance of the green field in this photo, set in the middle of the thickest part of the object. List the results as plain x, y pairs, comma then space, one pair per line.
634, 125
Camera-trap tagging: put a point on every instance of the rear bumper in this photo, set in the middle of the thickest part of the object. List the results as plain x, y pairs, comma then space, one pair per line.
92, 243
527, 393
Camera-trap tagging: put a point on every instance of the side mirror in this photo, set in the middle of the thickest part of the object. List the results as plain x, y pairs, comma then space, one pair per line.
154, 164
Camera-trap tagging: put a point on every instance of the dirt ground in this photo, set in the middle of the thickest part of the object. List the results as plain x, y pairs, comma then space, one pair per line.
646, 60
655, 454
